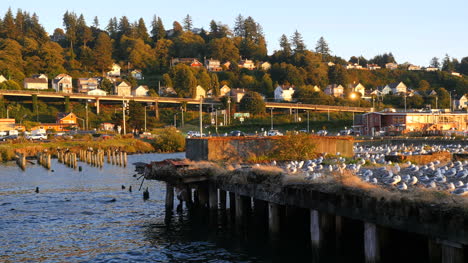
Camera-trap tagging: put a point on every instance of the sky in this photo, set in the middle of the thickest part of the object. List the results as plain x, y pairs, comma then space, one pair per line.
413, 30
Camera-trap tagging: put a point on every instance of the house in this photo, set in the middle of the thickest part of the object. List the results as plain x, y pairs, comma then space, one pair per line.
140, 91
7, 124
414, 67
115, 71
2, 79
395, 123
237, 94
39, 82
64, 122
122, 88
430, 69
192, 62
167, 91
453, 74
199, 92
432, 93
137, 74
358, 88
316, 88
461, 103
62, 83
284, 93
87, 84
247, 64
391, 65
265, 66
97, 92
373, 66
353, 66
227, 64
66, 118
396, 88
107, 126
334, 90
331, 64
224, 90
213, 65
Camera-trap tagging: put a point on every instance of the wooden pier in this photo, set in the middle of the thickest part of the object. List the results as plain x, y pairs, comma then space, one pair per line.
382, 224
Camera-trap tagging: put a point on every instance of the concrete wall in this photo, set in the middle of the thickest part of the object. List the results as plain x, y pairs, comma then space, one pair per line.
249, 148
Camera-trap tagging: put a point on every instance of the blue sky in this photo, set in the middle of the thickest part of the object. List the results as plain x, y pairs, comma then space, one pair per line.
414, 30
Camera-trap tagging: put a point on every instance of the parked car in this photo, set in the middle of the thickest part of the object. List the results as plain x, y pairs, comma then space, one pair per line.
237, 133
37, 136
195, 134
322, 132
274, 133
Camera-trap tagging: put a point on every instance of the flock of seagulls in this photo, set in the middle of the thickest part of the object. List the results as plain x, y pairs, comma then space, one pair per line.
369, 165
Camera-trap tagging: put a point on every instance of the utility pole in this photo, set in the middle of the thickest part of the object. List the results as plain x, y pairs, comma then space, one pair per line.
271, 117
145, 118
182, 113
229, 110
307, 121
123, 115
87, 125
405, 102
201, 117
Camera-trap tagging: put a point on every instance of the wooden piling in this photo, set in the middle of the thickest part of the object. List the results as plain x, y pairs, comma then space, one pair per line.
169, 197
213, 197
371, 243
273, 220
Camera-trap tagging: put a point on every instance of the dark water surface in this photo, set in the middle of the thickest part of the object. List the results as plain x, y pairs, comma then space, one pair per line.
87, 217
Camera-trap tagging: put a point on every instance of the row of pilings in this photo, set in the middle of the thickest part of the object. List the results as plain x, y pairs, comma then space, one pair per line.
93, 157
327, 237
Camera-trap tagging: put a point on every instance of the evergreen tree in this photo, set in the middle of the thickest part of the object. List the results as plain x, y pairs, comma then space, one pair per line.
157, 29
103, 53
125, 28
285, 46
142, 31
112, 28
188, 24
447, 64
239, 28
322, 47
9, 27
96, 22
298, 42
253, 103
434, 62
177, 28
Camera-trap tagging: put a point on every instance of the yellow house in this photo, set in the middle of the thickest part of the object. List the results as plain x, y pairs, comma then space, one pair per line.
199, 92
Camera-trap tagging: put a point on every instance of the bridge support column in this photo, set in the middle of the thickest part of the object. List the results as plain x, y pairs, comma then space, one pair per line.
240, 209
203, 196
97, 106
371, 243
169, 197
156, 110
274, 220
213, 197
222, 199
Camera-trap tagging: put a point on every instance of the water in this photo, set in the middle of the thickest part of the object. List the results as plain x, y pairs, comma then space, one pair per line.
87, 217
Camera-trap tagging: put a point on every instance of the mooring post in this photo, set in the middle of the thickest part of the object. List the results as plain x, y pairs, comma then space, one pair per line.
222, 199
451, 252
371, 243
239, 207
315, 231
274, 220
169, 197
213, 196
203, 196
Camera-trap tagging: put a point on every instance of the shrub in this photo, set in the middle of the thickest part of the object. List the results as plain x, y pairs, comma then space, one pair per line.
294, 147
169, 140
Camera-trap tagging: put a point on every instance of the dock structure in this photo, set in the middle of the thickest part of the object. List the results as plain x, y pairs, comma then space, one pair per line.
381, 224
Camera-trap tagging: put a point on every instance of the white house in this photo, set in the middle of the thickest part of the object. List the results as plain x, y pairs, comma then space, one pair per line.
247, 63
414, 67
461, 103
334, 90
115, 71
265, 66
432, 69
284, 93
391, 65
237, 94
140, 91
358, 88
62, 83
87, 84
213, 65
136, 73
122, 88
224, 90
2, 79
97, 92
397, 88
39, 82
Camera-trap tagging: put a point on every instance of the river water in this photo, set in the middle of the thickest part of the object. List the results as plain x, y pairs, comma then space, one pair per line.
87, 217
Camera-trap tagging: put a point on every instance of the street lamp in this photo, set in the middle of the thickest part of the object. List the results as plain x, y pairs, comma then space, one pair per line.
145, 118
201, 117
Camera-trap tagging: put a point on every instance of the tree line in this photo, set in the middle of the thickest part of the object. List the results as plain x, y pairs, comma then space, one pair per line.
84, 50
